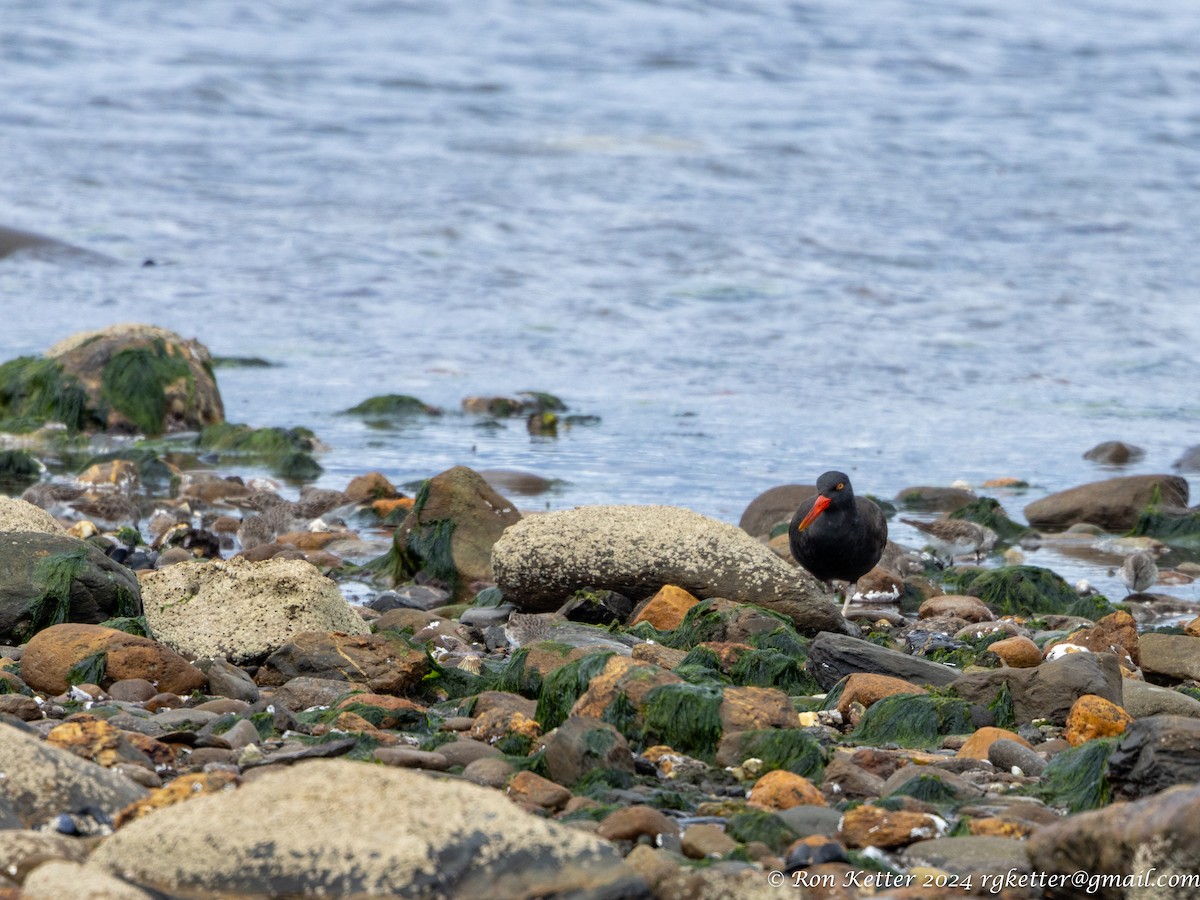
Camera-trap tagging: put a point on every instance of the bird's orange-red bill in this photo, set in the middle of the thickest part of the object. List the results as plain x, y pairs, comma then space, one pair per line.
818, 507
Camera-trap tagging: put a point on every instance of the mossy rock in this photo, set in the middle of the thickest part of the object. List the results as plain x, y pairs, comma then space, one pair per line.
1177, 527
285, 451
392, 406
761, 826
140, 378
915, 721
18, 470
456, 518
35, 391
48, 579
562, 687
749, 668
1078, 778
789, 749
1027, 591
717, 620
989, 513
927, 788
686, 717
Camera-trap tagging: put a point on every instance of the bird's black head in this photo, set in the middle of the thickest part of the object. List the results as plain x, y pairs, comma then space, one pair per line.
835, 485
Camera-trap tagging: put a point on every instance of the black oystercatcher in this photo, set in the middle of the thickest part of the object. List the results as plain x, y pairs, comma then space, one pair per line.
835, 535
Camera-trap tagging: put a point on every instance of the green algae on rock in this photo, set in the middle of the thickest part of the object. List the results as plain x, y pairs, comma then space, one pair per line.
916, 721
392, 406
34, 391
790, 749
1077, 779
989, 513
1026, 591
285, 451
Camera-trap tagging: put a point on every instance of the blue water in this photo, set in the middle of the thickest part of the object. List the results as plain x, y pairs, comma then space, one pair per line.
758, 240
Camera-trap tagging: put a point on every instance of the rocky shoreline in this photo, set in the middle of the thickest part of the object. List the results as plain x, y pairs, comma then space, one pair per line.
605, 702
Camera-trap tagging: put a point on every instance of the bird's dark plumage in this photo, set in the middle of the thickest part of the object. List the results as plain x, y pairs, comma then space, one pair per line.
835, 535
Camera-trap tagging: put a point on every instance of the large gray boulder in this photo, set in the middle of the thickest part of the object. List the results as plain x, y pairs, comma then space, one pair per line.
360, 830
240, 610
46, 579
1113, 504
635, 550
41, 781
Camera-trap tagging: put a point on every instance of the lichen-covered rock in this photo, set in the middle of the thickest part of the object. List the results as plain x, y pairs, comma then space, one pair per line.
333, 823
448, 534
46, 579
40, 781
242, 611
873, 826
20, 515
635, 550
781, 789
1113, 504
1094, 717
140, 378
62, 655
666, 609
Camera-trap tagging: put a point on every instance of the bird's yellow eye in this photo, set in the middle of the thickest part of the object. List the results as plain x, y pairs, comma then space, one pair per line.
840, 485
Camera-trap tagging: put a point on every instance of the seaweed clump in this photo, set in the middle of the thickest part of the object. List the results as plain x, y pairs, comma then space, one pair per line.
1078, 778
286, 451
1027, 591
35, 390
134, 383
916, 721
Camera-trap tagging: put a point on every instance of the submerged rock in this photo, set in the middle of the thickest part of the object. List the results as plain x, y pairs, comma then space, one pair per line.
635, 550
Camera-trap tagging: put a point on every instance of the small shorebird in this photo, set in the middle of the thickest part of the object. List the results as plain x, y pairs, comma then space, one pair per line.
956, 537
835, 535
1139, 571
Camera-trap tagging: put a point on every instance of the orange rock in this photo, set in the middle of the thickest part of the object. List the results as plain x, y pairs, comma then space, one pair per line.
1094, 717
621, 676
1001, 826
1004, 481
398, 505
976, 746
528, 787
866, 688
97, 740
497, 723
872, 826
666, 609
1192, 628
1017, 651
780, 789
